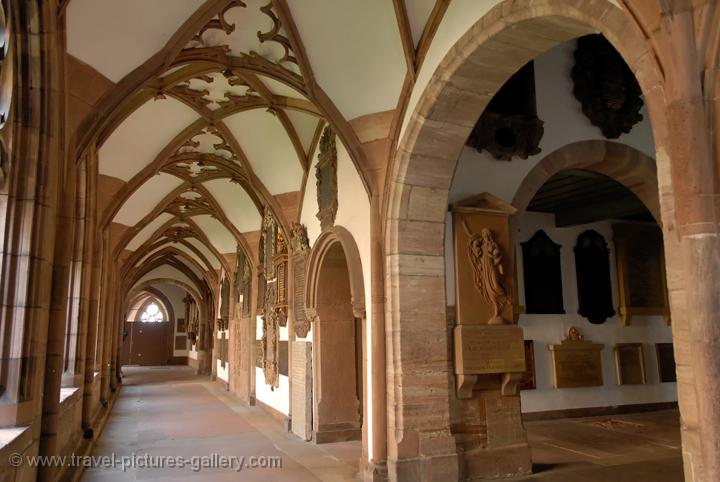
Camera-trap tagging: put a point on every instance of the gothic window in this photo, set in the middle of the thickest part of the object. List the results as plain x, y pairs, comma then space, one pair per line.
152, 314
592, 266
543, 276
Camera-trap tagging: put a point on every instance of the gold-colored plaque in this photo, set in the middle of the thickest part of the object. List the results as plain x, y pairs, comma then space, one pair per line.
488, 349
630, 364
481, 349
576, 362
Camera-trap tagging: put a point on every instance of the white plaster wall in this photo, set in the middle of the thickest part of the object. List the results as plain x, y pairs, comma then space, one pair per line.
279, 397
551, 328
564, 124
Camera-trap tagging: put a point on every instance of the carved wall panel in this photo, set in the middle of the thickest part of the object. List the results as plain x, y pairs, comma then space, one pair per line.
326, 178
542, 275
484, 261
299, 250
592, 267
280, 265
605, 86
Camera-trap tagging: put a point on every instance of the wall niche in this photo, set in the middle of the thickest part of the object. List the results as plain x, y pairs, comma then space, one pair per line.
509, 125
592, 268
543, 276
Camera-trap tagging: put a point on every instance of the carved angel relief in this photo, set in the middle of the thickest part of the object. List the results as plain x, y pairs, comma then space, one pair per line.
326, 176
486, 261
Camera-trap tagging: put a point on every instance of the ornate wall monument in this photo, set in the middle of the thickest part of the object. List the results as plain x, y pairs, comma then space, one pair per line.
576, 362
489, 350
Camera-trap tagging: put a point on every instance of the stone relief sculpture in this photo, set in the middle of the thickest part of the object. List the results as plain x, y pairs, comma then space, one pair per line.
299, 242
326, 176
270, 341
486, 261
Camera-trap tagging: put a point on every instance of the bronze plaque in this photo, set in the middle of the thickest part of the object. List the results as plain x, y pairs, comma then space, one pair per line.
666, 362
527, 382
577, 363
283, 360
181, 342
489, 349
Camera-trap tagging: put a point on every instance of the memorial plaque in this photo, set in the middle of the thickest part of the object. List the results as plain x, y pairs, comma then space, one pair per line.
641, 271
181, 326
489, 349
527, 382
181, 342
301, 389
576, 362
666, 362
283, 357
630, 364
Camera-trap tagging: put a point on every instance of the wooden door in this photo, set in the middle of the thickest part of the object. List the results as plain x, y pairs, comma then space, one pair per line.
148, 344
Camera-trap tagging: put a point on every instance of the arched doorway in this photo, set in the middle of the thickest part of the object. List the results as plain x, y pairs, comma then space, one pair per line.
335, 301
338, 354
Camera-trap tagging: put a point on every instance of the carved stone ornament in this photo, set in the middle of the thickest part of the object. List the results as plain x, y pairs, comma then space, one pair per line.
505, 136
574, 334
299, 242
270, 341
302, 327
605, 86
486, 261
326, 176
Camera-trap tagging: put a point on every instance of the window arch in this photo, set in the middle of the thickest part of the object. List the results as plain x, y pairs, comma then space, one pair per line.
152, 314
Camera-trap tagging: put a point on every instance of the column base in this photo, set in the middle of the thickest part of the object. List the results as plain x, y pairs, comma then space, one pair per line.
496, 463
435, 468
342, 435
373, 471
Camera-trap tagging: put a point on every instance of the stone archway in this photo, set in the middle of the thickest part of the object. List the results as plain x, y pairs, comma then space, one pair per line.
335, 302
420, 443
625, 164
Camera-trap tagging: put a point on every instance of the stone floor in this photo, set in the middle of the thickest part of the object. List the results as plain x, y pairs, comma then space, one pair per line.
169, 412
622, 448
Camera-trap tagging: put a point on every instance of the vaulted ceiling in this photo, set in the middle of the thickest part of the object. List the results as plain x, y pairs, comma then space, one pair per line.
216, 107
